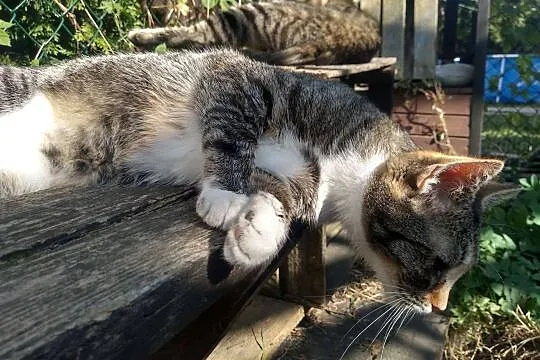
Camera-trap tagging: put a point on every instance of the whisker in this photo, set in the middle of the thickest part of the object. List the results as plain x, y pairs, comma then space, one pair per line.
372, 311
390, 329
388, 321
361, 332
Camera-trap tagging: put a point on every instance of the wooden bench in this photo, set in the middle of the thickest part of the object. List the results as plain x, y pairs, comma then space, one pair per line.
112, 272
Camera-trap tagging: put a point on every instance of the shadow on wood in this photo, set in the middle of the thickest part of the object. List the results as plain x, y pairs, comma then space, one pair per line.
111, 272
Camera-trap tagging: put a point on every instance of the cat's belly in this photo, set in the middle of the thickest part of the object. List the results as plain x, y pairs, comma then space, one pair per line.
23, 134
176, 156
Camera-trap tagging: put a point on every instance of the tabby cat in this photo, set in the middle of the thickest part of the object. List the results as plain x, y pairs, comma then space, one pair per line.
280, 33
263, 145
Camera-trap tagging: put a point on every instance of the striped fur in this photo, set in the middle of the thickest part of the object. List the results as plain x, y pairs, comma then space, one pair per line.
280, 33
264, 146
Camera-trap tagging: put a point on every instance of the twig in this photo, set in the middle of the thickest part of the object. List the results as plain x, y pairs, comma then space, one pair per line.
437, 98
70, 16
95, 25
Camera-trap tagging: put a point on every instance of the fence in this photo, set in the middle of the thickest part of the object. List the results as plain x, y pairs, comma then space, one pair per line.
511, 125
510, 88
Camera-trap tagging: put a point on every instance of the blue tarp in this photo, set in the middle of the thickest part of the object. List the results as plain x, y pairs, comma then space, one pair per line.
505, 85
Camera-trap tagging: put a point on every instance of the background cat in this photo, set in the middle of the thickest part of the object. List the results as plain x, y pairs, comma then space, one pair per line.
263, 145
281, 33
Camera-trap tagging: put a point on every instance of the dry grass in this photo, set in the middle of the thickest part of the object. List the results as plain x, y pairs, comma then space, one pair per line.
517, 338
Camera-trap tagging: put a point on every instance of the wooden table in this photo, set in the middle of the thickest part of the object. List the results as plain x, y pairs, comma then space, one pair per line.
114, 272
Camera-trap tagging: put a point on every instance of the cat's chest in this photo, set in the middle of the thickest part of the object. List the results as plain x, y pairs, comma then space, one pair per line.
177, 156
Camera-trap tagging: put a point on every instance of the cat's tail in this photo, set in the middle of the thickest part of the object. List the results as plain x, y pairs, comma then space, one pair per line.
17, 85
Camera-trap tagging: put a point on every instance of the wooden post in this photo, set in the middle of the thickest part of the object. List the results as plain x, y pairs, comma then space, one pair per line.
450, 29
393, 33
303, 275
477, 101
426, 14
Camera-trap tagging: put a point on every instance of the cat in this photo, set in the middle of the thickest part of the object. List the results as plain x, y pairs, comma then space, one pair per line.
279, 33
263, 145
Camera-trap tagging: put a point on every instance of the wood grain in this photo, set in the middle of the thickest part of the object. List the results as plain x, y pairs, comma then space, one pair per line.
338, 71
259, 330
454, 104
117, 287
426, 13
461, 145
421, 124
393, 33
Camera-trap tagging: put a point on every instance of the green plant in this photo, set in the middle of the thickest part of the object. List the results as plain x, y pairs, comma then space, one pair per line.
4, 36
508, 274
45, 31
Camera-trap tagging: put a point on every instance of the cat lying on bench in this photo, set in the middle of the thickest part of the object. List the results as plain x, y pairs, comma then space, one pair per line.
279, 33
263, 145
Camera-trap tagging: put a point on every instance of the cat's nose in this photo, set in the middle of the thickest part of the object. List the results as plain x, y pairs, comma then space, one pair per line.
438, 297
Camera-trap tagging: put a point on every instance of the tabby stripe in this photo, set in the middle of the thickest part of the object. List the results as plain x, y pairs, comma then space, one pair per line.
284, 35
265, 26
241, 23
256, 34
276, 32
213, 30
230, 36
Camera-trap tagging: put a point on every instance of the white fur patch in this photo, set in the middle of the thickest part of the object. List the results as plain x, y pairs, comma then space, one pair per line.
174, 155
258, 233
219, 208
345, 178
281, 157
22, 136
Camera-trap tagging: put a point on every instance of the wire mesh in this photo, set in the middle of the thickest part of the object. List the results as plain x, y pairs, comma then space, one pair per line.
44, 31
511, 127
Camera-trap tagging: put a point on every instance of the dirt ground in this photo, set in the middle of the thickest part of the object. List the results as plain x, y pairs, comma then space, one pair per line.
355, 324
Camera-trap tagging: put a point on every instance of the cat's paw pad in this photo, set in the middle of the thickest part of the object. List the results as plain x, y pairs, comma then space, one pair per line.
258, 232
219, 208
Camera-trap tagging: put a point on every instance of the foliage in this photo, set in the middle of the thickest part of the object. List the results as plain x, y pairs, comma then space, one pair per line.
514, 25
4, 36
508, 274
44, 31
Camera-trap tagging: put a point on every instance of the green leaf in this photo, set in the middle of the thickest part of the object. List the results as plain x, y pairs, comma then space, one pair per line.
4, 36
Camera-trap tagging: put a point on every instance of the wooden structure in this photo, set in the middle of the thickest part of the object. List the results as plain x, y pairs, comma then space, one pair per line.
114, 272
420, 117
409, 33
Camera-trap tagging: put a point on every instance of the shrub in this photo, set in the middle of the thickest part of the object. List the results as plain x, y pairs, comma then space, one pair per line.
508, 274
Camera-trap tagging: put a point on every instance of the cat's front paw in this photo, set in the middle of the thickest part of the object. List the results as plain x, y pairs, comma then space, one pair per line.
219, 208
257, 235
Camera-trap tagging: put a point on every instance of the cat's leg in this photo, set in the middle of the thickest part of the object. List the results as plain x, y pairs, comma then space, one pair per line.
263, 223
228, 147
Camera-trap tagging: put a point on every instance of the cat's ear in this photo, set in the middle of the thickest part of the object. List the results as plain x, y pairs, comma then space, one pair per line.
451, 177
494, 193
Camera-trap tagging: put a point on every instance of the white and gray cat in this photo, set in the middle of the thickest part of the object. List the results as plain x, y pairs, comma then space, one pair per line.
264, 146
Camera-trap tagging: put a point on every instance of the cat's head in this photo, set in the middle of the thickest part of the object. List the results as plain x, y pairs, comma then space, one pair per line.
422, 222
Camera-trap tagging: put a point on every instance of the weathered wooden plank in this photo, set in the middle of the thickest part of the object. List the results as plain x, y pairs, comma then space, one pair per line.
372, 8
120, 290
426, 13
393, 33
337, 71
461, 145
421, 124
258, 330
454, 104
303, 275
24, 227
